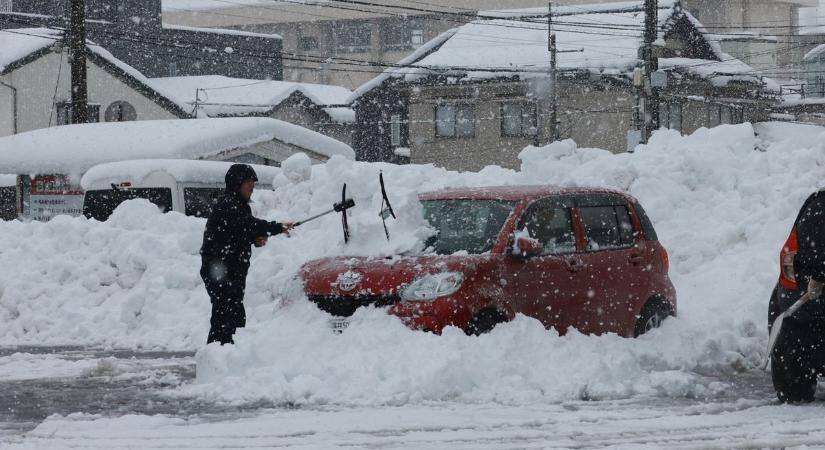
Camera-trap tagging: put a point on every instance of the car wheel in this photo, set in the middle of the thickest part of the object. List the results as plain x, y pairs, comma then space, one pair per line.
793, 381
653, 314
485, 321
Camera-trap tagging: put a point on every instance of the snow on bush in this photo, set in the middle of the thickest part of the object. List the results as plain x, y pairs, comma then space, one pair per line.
722, 201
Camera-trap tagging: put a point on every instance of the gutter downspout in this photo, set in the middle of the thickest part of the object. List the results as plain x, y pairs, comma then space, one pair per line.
14, 106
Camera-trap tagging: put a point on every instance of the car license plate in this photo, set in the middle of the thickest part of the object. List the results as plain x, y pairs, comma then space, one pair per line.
339, 325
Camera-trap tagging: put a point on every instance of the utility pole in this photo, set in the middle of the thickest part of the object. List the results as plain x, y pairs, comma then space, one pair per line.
79, 111
650, 94
551, 42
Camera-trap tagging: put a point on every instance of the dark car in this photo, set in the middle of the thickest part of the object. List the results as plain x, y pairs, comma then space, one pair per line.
569, 257
798, 357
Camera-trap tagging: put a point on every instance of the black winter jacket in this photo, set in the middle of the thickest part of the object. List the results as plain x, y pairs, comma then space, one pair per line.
231, 229
810, 234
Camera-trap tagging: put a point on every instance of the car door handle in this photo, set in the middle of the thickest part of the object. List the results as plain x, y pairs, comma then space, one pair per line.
636, 259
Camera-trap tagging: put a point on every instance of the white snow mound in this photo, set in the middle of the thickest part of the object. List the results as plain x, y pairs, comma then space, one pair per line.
722, 201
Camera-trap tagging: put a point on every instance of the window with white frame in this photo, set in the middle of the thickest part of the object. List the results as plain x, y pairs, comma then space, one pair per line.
120, 111
395, 130
353, 37
454, 120
417, 37
6, 6
518, 119
670, 114
724, 114
817, 89
64, 113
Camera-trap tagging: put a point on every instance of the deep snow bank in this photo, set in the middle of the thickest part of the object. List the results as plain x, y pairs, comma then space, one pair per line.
722, 201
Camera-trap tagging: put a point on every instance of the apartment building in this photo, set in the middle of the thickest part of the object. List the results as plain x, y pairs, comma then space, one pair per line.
765, 34
339, 43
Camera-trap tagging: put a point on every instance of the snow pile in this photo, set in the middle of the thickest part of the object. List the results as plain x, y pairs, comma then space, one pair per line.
721, 200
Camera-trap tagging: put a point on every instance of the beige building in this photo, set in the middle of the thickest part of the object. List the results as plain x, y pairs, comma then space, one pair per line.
761, 33
765, 34
465, 104
347, 45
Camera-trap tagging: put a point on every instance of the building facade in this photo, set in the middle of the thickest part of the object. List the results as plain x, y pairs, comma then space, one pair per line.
347, 45
35, 88
465, 120
133, 31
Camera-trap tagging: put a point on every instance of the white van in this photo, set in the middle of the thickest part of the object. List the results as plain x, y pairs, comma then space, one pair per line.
186, 186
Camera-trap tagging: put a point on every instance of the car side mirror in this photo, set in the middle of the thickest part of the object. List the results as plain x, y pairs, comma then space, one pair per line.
527, 248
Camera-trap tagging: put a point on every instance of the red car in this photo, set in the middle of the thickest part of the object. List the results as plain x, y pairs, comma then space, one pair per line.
586, 258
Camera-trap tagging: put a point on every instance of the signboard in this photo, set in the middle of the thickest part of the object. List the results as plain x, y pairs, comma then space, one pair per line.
52, 195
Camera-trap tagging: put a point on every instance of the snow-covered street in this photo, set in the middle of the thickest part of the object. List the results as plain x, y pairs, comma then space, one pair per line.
105, 400
722, 202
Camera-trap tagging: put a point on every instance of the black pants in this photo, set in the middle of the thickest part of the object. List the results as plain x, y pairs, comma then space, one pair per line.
226, 290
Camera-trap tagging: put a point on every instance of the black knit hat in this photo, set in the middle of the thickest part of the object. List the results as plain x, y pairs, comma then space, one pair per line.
237, 174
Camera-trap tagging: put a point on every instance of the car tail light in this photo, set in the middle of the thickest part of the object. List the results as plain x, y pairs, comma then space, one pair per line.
665, 260
787, 277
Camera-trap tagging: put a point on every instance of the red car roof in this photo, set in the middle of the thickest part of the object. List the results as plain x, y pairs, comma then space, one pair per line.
513, 193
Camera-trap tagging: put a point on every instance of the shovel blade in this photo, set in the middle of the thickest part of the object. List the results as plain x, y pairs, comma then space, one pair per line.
776, 328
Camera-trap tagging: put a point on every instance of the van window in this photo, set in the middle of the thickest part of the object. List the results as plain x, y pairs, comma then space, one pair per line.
551, 225
8, 203
198, 202
607, 227
99, 204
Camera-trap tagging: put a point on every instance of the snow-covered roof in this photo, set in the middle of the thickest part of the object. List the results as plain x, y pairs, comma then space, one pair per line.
17, 44
220, 95
719, 73
75, 148
215, 4
814, 53
401, 66
600, 38
181, 169
221, 31
8, 180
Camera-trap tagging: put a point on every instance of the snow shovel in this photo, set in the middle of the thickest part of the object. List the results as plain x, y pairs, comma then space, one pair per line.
776, 328
341, 207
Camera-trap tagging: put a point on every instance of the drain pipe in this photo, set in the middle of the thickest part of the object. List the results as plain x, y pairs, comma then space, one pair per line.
14, 106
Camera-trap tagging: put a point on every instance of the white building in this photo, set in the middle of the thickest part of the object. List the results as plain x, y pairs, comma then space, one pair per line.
35, 85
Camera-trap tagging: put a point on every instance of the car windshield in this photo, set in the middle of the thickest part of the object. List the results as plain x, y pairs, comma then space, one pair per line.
465, 225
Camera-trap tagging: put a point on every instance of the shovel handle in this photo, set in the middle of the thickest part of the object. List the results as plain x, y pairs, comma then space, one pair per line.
337, 207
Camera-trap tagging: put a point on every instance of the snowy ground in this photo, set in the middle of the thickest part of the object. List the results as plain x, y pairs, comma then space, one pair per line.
722, 201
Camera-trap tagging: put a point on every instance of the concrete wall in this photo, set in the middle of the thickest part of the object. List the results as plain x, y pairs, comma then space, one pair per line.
596, 114
7, 105
36, 93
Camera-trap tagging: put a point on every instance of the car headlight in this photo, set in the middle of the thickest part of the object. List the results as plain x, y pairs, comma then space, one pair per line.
432, 286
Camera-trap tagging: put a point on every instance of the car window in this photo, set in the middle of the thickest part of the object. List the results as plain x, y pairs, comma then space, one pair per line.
607, 227
551, 225
99, 204
810, 232
647, 225
626, 232
198, 202
465, 225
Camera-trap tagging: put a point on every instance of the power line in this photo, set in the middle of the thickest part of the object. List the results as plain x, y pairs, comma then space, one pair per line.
295, 57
